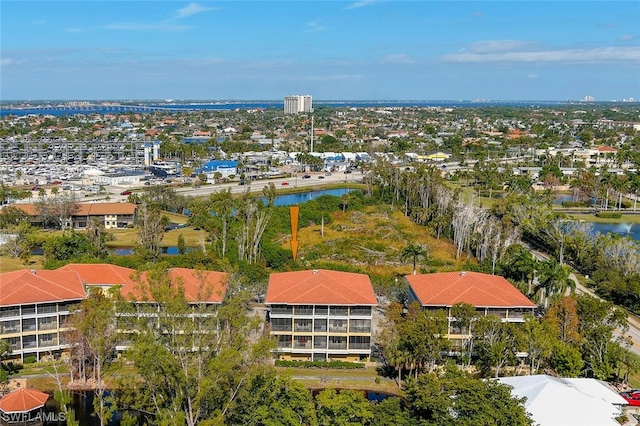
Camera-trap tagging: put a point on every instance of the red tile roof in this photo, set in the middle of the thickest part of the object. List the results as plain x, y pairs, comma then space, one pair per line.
105, 274
22, 401
24, 286
100, 274
215, 285
320, 287
483, 290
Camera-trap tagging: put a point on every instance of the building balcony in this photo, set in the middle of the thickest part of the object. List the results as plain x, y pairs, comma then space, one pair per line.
342, 346
335, 329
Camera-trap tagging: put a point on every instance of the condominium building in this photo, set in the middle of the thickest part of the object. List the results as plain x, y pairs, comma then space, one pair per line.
109, 215
490, 294
34, 309
321, 315
297, 103
35, 305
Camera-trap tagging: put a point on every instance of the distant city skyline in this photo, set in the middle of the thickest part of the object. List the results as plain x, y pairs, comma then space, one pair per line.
332, 50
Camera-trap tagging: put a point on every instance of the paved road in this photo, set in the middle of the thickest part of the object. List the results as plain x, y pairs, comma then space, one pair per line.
632, 332
254, 186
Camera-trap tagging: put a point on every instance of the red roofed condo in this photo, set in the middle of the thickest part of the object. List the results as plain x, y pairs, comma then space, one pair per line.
490, 294
319, 315
35, 305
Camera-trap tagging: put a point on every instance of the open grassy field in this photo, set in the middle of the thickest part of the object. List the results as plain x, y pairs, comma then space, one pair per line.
626, 218
374, 240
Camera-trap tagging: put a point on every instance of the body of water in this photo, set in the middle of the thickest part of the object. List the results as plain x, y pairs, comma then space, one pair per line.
631, 230
62, 110
302, 197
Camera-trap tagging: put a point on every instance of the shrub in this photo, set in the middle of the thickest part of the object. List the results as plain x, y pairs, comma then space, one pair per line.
320, 364
609, 215
29, 359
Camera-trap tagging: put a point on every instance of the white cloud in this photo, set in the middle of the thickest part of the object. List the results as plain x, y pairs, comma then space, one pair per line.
626, 37
361, 3
487, 52
191, 9
533, 75
5, 62
73, 30
315, 26
492, 46
400, 58
477, 14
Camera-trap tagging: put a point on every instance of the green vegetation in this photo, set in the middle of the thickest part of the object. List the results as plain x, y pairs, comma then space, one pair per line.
320, 364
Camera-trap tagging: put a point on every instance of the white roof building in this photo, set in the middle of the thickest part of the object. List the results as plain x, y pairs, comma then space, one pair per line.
555, 401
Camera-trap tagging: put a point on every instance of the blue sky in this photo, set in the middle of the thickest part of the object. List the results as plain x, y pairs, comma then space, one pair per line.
404, 50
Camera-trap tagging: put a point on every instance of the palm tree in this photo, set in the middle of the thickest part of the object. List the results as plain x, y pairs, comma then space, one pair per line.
554, 280
413, 252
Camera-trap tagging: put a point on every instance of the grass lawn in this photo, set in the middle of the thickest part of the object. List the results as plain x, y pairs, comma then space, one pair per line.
8, 264
626, 218
361, 379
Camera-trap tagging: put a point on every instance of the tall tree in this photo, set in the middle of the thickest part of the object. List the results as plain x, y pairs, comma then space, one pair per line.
193, 358
455, 398
94, 323
413, 252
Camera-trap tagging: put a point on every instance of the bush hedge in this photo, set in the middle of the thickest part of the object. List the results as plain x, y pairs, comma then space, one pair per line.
344, 365
609, 215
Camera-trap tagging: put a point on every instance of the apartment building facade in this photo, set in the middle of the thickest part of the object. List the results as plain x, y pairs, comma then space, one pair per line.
35, 305
34, 310
489, 294
320, 315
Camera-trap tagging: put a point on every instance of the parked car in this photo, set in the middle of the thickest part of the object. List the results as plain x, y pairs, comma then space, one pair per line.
125, 193
306, 177
321, 177
632, 397
284, 183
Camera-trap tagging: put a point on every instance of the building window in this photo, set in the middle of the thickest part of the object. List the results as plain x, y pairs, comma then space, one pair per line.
303, 325
281, 310
302, 342
304, 310
337, 342
28, 324
29, 342
338, 326
322, 310
320, 325
320, 342
359, 326
13, 311
284, 341
8, 327
14, 343
29, 310
47, 308
339, 311
281, 324
361, 311
48, 323
359, 342
48, 340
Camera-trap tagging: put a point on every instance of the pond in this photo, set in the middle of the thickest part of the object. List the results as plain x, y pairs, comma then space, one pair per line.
631, 230
301, 197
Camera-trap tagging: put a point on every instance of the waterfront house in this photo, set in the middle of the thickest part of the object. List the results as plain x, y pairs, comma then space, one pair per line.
321, 315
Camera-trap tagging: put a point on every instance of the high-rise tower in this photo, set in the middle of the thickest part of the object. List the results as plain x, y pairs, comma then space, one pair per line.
297, 103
